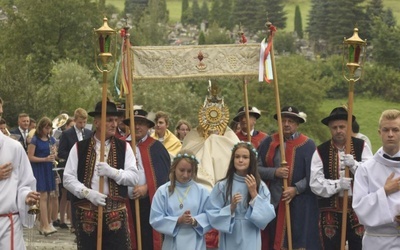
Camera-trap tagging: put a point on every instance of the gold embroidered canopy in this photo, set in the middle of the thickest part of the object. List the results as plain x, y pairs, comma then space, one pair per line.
200, 61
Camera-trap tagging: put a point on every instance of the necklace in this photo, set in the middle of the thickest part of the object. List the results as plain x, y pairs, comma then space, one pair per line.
184, 196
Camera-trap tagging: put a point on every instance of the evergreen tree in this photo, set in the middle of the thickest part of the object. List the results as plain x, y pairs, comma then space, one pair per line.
204, 12
388, 18
215, 12
202, 38
275, 11
250, 14
330, 21
184, 13
225, 18
196, 12
386, 42
298, 25
135, 9
217, 35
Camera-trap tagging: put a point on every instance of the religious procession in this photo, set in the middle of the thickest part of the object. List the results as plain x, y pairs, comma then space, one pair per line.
133, 180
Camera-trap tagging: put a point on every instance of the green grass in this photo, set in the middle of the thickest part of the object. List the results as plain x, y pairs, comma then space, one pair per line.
367, 112
120, 4
175, 8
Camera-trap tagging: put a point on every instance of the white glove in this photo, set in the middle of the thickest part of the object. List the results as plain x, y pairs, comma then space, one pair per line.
348, 160
94, 197
344, 183
103, 169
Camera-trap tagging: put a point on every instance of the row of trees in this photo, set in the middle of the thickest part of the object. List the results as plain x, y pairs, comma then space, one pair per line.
46, 66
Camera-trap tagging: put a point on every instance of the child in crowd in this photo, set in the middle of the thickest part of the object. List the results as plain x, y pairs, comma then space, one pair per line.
239, 205
177, 210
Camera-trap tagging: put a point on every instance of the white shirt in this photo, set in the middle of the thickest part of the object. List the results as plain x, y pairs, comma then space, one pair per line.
328, 187
129, 175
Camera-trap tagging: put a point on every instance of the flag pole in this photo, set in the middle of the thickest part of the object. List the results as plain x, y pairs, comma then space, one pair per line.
243, 41
128, 73
284, 164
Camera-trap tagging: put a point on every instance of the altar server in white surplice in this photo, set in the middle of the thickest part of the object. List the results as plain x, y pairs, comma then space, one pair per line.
376, 197
17, 192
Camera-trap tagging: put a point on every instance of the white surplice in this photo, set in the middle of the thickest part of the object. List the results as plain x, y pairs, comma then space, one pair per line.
13, 192
375, 210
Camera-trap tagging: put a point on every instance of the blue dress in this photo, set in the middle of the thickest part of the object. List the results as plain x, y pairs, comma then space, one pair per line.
241, 231
43, 171
166, 209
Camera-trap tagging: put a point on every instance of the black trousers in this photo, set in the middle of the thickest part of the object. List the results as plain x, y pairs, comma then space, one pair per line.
115, 234
331, 229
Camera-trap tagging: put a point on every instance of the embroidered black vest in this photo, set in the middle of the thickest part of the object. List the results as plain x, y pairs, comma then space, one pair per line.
87, 160
328, 154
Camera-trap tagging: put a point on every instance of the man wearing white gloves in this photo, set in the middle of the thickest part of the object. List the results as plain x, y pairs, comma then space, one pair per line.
81, 178
327, 181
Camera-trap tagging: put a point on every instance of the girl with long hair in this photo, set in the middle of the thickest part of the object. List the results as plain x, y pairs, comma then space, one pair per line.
239, 204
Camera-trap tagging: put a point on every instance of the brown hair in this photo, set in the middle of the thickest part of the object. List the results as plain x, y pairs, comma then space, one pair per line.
161, 114
43, 122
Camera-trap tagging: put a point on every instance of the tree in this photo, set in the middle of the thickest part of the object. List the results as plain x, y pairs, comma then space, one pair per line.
185, 10
66, 77
217, 35
326, 28
298, 25
250, 14
202, 38
215, 12
225, 18
204, 12
386, 40
135, 9
275, 12
48, 31
196, 12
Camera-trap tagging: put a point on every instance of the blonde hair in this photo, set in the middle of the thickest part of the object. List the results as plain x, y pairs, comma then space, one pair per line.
389, 114
80, 113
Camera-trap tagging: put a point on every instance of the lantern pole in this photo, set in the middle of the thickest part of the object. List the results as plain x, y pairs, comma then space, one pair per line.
103, 54
355, 49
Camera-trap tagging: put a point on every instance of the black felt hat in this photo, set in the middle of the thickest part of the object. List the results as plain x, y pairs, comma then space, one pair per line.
140, 114
252, 111
111, 109
338, 113
292, 111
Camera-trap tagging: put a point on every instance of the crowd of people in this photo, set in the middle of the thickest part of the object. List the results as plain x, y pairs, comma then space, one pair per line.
204, 187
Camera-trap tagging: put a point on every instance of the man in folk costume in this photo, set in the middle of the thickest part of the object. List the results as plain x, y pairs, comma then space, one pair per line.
156, 161
328, 181
303, 203
81, 178
256, 136
376, 199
